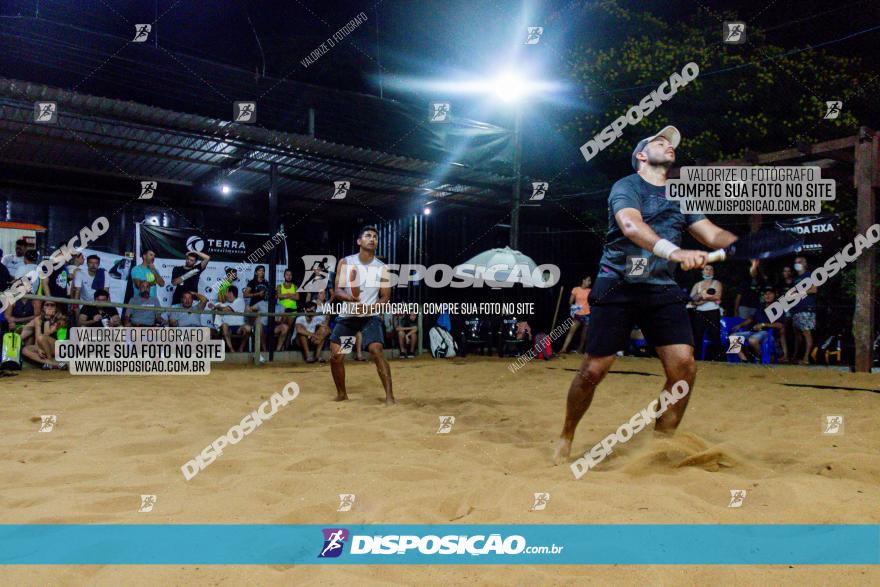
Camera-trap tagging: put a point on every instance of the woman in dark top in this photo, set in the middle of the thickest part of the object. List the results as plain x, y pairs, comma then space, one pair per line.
257, 289
256, 294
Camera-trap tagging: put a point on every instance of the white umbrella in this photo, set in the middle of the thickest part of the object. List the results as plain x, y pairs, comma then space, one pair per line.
509, 265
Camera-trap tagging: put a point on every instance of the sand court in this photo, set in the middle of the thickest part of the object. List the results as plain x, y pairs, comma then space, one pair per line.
747, 428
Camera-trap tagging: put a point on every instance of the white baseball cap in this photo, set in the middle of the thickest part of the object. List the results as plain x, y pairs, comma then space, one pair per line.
670, 133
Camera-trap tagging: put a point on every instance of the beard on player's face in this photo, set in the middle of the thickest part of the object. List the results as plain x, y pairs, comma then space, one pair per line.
660, 155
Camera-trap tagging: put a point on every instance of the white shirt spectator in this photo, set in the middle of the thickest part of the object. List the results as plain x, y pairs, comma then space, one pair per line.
84, 281
230, 319
24, 270
312, 326
13, 263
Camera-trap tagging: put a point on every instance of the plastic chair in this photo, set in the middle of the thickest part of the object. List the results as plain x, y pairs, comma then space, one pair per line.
476, 333
508, 343
729, 325
768, 348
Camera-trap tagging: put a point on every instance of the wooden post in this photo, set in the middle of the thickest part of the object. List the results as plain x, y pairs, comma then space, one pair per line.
865, 176
258, 337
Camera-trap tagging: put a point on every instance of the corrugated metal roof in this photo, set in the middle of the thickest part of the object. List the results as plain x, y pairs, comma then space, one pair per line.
114, 137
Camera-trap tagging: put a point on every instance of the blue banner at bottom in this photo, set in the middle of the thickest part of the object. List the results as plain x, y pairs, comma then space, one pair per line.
674, 544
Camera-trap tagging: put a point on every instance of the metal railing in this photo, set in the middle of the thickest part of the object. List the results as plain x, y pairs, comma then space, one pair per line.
258, 326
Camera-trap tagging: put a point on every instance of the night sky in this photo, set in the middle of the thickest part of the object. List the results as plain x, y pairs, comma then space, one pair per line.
422, 37
403, 40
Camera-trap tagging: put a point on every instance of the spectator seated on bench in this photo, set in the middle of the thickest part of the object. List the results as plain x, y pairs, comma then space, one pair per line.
232, 325
311, 331
758, 332
407, 332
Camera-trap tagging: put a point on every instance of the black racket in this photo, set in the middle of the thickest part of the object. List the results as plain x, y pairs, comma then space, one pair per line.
764, 244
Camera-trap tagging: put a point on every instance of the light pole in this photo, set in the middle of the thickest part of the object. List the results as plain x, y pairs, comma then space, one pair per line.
510, 87
517, 174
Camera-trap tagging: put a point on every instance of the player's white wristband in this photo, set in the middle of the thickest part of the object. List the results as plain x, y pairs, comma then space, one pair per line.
663, 248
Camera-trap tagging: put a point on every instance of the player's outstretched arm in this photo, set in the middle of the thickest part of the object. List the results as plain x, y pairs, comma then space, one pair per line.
711, 235
637, 230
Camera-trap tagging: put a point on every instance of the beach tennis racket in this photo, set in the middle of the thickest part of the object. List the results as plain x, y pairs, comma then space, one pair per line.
764, 244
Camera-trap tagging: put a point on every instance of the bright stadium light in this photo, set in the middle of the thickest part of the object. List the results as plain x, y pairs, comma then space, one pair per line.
426, 211
510, 87
225, 189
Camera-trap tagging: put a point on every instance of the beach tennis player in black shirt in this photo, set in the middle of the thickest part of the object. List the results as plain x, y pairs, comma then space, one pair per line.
635, 284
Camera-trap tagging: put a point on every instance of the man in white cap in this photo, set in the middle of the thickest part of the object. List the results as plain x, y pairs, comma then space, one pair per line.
635, 284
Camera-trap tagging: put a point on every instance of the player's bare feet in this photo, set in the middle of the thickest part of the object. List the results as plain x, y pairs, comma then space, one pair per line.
563, 451
390, 401
341, 398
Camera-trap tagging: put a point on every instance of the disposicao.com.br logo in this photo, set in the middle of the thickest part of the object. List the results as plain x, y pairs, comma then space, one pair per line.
334, 540
318, 269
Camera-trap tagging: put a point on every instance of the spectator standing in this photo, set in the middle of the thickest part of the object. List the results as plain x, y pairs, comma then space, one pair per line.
13, 262
231, 278
287, 298
706, 295
256, 294
87, 282
803, 315
57, 284
786, 282
77, 262
147, 272
186, 277
581, 315
748, 300
5, 276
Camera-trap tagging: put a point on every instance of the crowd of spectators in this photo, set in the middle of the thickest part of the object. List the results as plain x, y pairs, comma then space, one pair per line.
755, 291
307, 327
304, 322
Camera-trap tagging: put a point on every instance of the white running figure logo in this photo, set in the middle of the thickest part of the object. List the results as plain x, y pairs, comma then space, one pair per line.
335, 542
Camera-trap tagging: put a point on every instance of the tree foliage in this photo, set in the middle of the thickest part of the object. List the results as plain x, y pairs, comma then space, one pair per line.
754, 96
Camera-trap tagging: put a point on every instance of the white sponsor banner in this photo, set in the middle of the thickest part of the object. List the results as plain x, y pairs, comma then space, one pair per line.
211, 278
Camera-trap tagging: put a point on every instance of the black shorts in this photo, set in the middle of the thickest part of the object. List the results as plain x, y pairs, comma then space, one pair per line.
370, 326
616, 307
